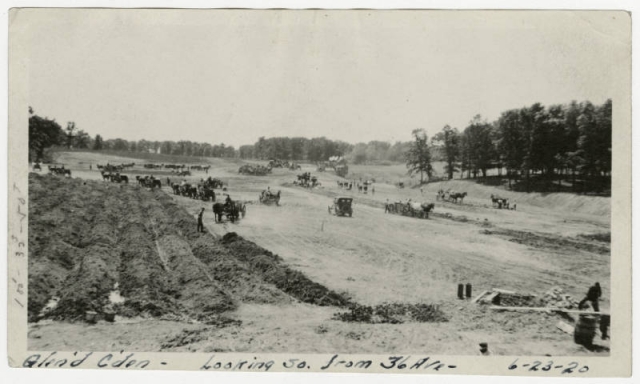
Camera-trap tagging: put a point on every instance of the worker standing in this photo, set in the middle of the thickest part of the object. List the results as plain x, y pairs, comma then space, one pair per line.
200, 223
593, 295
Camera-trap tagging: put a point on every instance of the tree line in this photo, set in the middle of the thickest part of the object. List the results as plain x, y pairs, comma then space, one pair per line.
45, 133
568, 143
565, 144
294, 148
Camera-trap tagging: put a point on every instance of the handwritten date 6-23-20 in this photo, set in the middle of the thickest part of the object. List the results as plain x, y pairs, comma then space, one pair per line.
547, 366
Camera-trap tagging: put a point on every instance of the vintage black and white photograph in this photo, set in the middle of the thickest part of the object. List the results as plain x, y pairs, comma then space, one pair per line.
323, 182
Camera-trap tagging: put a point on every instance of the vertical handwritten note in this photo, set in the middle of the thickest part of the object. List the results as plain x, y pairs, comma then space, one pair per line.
17, 245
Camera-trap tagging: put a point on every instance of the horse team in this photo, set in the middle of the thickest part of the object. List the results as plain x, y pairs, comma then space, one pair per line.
451, 196
203, 190
306, 180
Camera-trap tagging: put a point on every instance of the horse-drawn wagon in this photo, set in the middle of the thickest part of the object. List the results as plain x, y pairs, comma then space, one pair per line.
268, 198
411, 209
234, 210
56, 169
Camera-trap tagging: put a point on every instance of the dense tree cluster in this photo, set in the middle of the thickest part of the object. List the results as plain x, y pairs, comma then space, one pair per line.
378, 152
181, 148
560, 142
43, 133
294, 148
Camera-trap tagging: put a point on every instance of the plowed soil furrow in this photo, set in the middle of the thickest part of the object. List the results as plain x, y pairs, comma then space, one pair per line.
88, 286
147, 244
143, 280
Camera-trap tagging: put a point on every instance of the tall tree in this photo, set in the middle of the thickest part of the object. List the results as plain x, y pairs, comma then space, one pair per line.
82, 140
449, 139
510, 142
71, 126
477, 146
43, 133
419, 157
98, 143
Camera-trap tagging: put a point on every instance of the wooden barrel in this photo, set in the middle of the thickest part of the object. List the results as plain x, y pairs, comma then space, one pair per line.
110, 316
91, 317
585, 330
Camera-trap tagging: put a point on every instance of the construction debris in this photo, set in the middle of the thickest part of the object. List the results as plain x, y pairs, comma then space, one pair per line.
555, 297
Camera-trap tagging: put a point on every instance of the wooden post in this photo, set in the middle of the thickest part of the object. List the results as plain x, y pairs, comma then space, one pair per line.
460, 291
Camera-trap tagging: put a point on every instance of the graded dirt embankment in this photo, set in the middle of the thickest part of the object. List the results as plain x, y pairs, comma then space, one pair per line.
89, 239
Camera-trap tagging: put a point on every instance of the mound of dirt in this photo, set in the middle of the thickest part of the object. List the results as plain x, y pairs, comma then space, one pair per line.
518, 300
88, 237
248, 271
57, 220
87, 288
225, 269
393, 313
271, 268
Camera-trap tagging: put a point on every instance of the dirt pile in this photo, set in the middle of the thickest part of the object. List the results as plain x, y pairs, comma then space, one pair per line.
88, 237
271, 268
94, 235
58, 218
223, 267
249, 272
556, 298
518, 300
393, 313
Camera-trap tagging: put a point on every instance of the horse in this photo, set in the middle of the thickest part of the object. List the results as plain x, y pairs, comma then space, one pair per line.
455, 196
208, 194
176, 188
499, 202
428, 207
233, 211
420, 209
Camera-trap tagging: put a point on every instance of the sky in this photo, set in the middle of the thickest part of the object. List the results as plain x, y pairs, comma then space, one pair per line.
231, 76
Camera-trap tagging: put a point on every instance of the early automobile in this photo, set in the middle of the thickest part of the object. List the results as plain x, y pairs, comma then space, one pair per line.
341, 206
